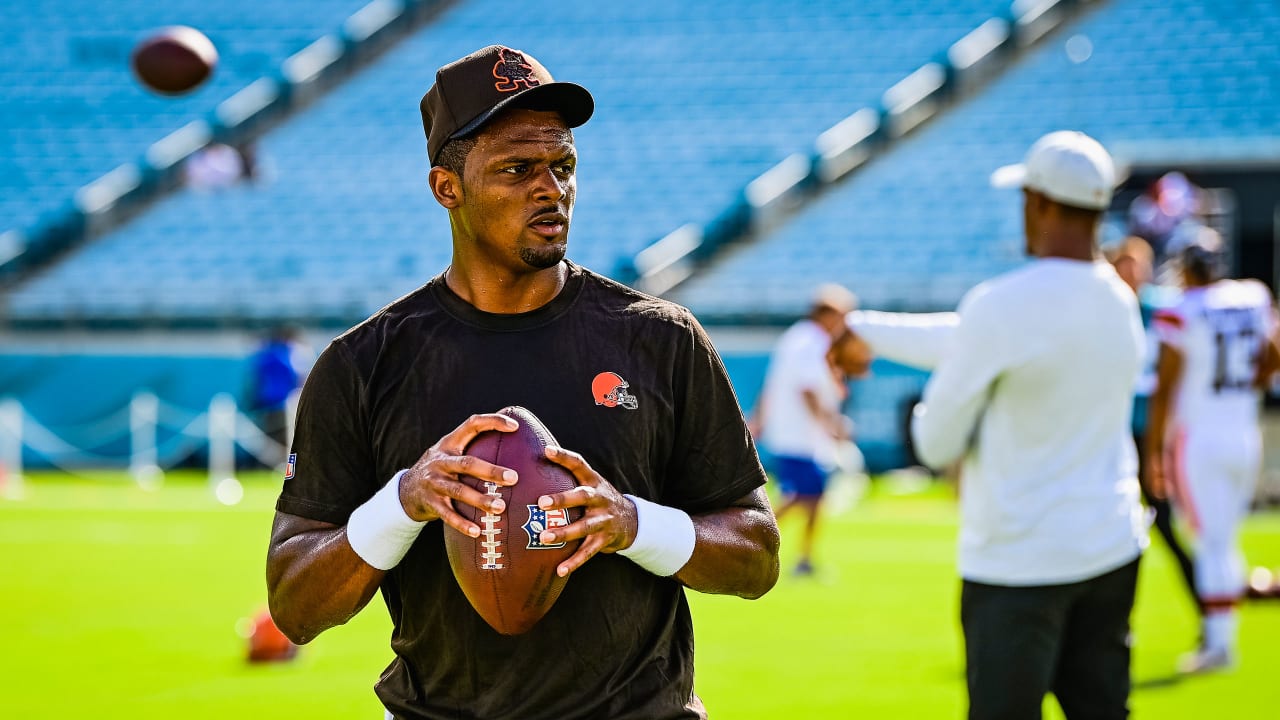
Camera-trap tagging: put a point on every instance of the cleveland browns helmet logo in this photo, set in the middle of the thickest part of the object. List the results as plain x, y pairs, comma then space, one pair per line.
610, 390
512, 72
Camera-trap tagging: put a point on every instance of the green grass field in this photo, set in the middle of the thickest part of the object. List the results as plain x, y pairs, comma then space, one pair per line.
117, 602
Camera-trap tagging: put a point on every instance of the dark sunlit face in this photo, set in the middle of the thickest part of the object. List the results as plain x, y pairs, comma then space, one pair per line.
518, 189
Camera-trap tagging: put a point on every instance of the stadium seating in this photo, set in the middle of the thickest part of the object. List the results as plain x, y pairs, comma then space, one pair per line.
693, 101
70, 109
920, 225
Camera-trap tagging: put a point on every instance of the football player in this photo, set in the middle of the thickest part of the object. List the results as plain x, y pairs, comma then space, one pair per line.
1204, 445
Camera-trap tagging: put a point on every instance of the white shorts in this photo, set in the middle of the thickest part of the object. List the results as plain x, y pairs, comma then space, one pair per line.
1213, 476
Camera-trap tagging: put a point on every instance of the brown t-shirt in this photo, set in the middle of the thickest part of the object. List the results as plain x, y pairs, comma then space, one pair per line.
619, 641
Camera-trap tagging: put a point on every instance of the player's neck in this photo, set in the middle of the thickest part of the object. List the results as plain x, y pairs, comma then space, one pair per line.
1066, 244
494, 290
1072, 255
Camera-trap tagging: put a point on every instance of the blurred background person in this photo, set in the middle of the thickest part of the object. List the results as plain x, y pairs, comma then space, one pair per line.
1204, 444
1133, 260
220, 166
798, 417
1031, 385
276, 372
1158, 213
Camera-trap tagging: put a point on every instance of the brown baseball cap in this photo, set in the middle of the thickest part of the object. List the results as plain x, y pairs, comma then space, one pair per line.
468, 92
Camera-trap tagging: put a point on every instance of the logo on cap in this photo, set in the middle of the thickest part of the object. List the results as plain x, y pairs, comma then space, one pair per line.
512, 72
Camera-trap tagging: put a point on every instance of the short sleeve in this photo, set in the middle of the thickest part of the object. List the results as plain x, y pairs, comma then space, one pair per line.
810, 369
714, 460
332, 466
1170, 327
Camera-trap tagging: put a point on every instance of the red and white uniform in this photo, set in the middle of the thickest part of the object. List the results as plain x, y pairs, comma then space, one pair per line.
1220, 331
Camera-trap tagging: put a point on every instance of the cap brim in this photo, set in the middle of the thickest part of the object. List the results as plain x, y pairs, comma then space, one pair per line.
571, 100
1009, 176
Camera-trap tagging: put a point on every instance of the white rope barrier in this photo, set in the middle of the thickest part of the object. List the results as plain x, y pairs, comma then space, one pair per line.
222, 428
222, 439
261, 446
144, 465
11, 480
59, 452
168, 415
96, 433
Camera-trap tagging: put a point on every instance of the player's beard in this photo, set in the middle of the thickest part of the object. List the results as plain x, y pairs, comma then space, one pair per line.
544, 256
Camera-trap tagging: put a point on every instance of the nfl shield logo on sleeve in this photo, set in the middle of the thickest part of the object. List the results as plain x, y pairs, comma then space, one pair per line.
290, 466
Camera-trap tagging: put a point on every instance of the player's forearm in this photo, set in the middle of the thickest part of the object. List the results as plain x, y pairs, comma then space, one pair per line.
1268, 362
825, 418
315, 581
943, 425
915, 339
736, 553
1157, 421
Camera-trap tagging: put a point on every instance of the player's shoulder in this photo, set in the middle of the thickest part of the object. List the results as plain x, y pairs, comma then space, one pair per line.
1177, 309
1028, 279
995, 293
367, 338
625, 303
1232, 293
1254, 292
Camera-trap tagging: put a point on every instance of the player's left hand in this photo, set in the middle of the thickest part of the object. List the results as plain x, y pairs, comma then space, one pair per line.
608, 523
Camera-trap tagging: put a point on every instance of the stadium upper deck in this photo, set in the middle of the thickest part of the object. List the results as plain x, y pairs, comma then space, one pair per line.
694, 100
1152, 79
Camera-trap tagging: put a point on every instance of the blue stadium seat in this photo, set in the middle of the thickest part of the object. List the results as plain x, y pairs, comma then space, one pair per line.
918, 227
694, 100
69, 107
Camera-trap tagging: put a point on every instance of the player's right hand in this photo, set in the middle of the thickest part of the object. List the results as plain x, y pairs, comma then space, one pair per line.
429, 488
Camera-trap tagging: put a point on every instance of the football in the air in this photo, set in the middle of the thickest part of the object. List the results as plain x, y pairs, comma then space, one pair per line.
507, 573
174, 60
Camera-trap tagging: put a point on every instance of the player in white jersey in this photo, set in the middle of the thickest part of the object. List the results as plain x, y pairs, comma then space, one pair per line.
1204, 443
798, 418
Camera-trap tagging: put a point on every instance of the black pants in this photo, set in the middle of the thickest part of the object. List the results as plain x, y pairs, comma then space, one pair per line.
1071, 640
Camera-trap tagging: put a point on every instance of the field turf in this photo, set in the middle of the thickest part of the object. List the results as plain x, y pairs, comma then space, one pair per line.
118, 602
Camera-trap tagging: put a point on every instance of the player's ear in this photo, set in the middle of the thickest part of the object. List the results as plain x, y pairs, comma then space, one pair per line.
446, 186
1037, 202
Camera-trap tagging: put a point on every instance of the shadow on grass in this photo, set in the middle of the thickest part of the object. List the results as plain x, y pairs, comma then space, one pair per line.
1158, 682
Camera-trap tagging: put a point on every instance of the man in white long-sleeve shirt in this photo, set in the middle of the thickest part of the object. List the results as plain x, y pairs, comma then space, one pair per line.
1032, 387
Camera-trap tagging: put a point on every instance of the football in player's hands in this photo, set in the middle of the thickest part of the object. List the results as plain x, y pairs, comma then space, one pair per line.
507, 573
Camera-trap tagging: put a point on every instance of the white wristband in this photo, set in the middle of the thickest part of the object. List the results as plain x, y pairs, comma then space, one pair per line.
380, 531
664, 538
